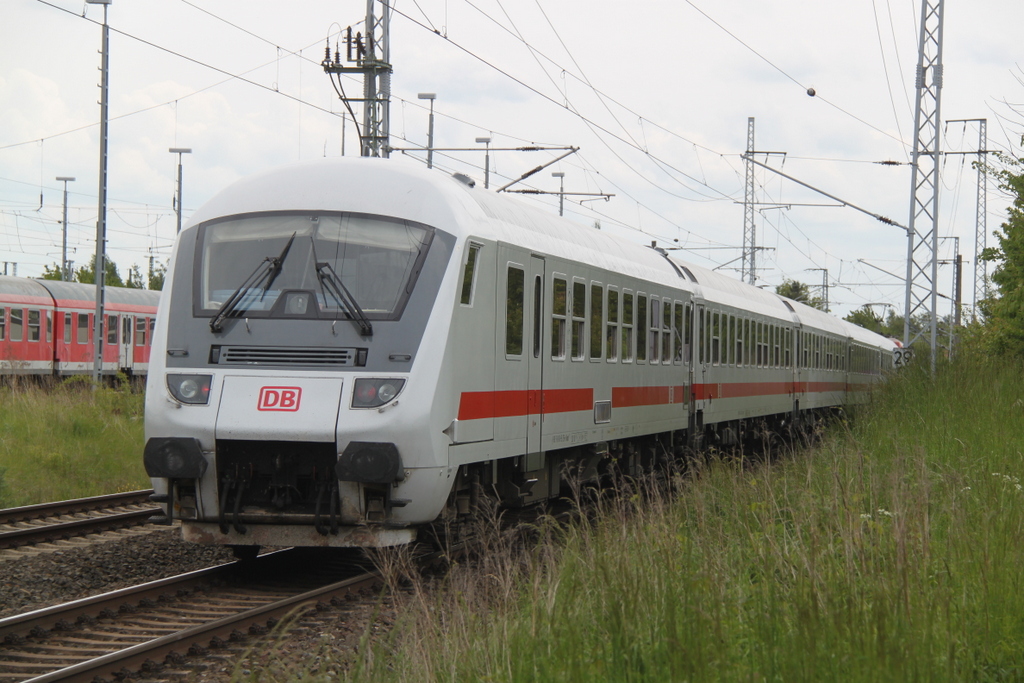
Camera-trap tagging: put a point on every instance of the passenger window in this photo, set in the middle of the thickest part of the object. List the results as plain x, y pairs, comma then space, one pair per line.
538, 310
112, 329
140, 331
596, 320
579, 319
655, 328
666, 331
514, 311
716, 338
627, 327
677, 351
83, 328
152, 327
468, 274
558, 310
33, 326
739, 343
3, 323
49, 327
17, 324
687, 334
611, 339
641, 327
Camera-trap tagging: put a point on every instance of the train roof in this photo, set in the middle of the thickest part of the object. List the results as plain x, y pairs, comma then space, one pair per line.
77, 291
21, 287
404, 189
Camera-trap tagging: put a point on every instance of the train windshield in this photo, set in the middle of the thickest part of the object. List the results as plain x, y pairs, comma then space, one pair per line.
376, 258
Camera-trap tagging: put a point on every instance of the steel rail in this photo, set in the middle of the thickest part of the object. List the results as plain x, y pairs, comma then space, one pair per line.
148, 655
66, 507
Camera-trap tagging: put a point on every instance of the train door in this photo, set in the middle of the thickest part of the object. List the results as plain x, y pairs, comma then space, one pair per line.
124, 348
519, 352
700, 355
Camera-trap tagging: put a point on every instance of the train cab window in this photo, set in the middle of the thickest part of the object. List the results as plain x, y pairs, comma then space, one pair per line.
596, 320
140, 331
627, 326
655, 328
677, 333
559, 294
83, 328
33, 326
17, 324
641, 327
611, 337
469, 274
579, 319
666, 332
3, 323
112, 329
514, 311
716, 338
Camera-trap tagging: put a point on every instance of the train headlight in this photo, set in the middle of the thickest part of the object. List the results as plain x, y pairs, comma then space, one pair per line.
192, 389
373, 392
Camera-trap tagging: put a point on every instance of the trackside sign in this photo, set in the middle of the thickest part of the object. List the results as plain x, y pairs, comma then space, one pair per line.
279, 398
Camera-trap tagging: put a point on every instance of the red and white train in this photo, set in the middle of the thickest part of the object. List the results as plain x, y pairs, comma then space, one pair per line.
349, 349
46, 328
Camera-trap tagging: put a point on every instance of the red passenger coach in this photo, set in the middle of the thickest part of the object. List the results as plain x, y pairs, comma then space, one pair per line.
46, 328
26, 327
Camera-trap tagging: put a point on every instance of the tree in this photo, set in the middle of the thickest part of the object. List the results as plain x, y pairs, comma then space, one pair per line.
890, 326
1004, 311
799, 291
157, 274
87, 274
134, 278
53, 273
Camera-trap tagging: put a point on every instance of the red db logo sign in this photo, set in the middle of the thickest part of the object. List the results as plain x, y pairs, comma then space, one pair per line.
279, 398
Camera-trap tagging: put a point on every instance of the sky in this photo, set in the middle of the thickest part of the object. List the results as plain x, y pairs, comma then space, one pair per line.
656, 96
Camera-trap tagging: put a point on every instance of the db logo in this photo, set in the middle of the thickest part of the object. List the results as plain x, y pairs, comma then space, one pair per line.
279, 398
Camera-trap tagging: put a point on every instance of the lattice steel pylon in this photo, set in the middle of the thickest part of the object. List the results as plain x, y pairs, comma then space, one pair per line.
748, 271
922, 233
981, 223
373, 59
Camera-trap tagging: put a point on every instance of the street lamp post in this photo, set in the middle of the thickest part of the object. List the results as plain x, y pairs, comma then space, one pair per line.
561, 189
430, 127
101, 220
64, 274
487, 160
179, 151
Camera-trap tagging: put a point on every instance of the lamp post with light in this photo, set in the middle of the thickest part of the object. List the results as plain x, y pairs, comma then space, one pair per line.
487, 160
179, 151
561, 189
430, 127
64, 274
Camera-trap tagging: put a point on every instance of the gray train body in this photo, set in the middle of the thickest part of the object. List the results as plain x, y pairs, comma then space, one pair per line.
407, 343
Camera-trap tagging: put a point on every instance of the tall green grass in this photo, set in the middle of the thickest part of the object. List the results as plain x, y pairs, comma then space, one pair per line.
891, 552
68, 441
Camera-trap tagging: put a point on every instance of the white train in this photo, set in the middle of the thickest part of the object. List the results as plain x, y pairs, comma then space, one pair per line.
348, 349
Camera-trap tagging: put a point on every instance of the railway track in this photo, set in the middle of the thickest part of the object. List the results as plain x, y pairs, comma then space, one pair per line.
154, 626
47, 522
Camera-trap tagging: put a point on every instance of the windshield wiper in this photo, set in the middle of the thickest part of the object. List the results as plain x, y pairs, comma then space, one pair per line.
330, 282
261, 278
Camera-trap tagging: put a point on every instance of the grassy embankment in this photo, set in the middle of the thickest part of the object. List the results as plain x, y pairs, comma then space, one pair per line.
68, 442
892, 552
